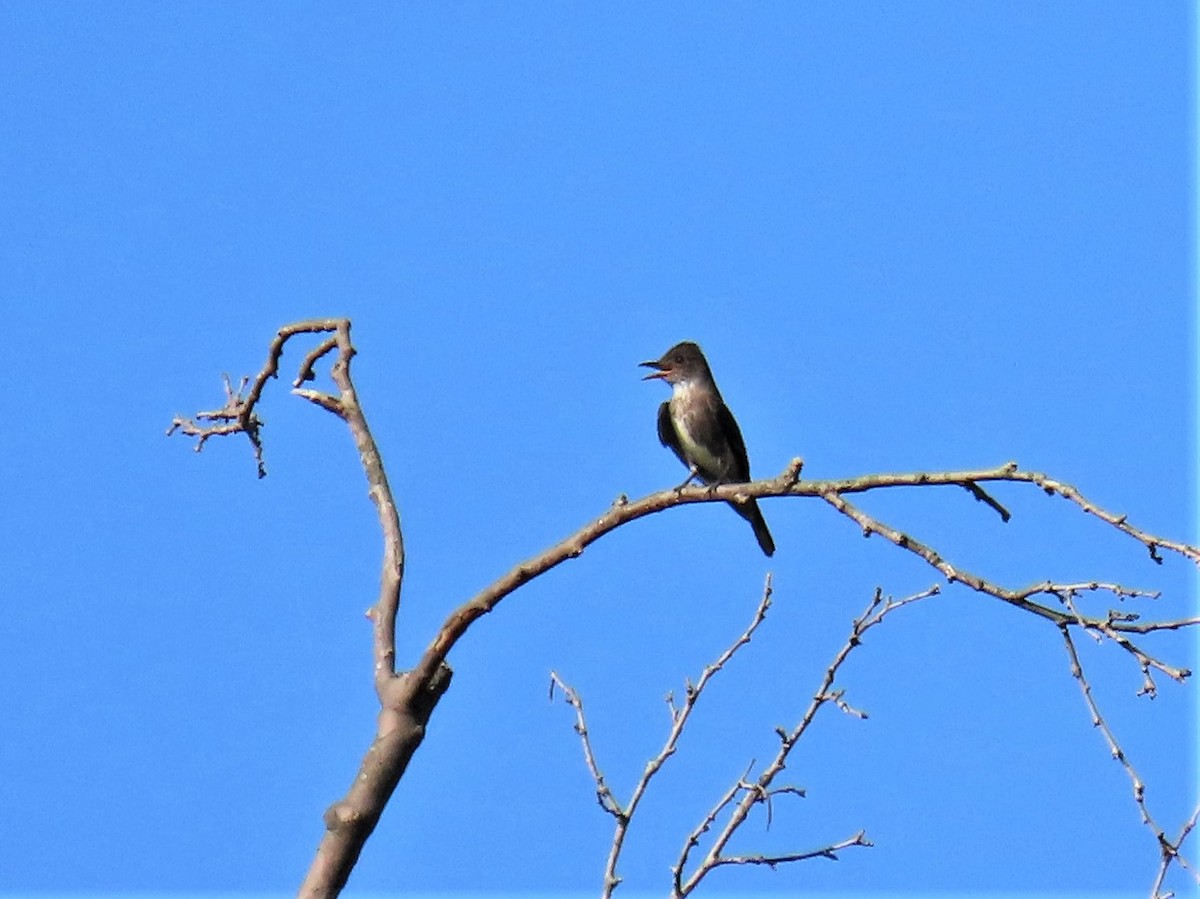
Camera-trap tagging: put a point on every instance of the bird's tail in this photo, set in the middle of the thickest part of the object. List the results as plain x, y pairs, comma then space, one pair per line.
749, 511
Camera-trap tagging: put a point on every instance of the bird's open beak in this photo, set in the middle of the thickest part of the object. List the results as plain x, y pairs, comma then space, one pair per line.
661, 373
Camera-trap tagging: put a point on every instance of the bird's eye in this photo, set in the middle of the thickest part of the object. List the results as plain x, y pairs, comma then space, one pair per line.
678, 358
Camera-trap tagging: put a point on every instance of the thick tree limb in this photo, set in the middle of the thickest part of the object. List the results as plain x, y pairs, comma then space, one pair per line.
406, 702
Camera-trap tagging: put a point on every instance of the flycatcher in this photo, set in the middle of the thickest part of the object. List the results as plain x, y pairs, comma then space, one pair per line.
698, 427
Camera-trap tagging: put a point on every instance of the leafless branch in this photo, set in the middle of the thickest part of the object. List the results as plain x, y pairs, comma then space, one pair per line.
1169, 850
983, 496
406, 701
788, 483
604, 794
746, 794
1113, 626
239, 412
693, 838
830, 852
679, 719
408, 698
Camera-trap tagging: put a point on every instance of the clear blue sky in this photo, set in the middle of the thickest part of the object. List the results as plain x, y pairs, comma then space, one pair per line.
909, 236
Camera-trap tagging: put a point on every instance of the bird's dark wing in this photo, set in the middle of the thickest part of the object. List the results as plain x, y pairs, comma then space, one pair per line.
666, 433
739, 469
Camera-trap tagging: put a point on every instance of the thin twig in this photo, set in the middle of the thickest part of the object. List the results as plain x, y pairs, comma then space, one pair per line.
679, 718
1169, 850
240, 411
1172, 852
830, 852
983, 496
604, 794
693, 838
761, 789
1111, 626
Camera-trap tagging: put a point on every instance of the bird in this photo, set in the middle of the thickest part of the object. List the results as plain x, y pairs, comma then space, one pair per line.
697, 426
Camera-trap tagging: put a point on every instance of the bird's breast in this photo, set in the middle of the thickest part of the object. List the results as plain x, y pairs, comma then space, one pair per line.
699, 433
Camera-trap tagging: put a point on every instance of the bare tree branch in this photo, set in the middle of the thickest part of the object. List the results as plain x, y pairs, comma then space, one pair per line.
604, 794
407, 699
830, 852
406, 702
238, 413
983, 496
679, 719
1112, 626
761, 789
788, 483
1169, 850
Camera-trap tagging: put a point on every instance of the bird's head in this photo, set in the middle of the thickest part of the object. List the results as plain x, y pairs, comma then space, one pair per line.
682, 362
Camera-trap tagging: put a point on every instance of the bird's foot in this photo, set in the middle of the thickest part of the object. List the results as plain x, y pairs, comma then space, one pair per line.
693, 473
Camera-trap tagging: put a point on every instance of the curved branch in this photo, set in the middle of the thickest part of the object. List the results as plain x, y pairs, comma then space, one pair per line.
788, 483
239, 415
406, 703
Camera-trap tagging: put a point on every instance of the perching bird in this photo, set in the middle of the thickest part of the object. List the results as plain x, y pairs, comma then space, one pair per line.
698, 427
